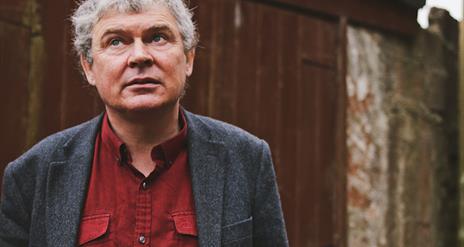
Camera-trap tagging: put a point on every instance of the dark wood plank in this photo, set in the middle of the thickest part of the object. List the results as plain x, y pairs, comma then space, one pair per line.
249, 39
315, 180
79, 101
225, 85
14, 63
315, 175
286, 168
319, 50
198, 91
267, 90
340, 149
53, 14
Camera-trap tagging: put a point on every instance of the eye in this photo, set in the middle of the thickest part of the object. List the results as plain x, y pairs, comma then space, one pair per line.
115, 42
158, 38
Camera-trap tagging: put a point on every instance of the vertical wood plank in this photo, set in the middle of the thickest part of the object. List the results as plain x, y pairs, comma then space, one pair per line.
247, 66
225, 85
315, 180
340, 167
290, 91
79, 100
14, 62
267, 78
198, 91
52, 13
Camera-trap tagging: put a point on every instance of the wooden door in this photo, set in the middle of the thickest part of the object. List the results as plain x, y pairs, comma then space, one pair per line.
275, 72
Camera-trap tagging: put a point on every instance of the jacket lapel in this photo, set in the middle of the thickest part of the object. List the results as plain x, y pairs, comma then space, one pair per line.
206, 159
67, 184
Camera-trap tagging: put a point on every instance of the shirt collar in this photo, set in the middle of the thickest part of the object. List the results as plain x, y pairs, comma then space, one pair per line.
112, 142
168, 150
163, 154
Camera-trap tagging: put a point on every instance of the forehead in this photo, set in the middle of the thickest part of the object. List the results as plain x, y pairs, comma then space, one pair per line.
157, 15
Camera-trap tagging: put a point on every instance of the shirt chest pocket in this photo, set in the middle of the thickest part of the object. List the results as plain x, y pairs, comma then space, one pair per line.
185, 227
93, 230
238, 234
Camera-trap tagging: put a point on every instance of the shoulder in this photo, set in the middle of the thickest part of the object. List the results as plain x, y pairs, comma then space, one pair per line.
50, 148
218, 131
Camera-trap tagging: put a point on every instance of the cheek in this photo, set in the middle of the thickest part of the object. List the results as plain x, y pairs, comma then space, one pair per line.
173, 62
109, 69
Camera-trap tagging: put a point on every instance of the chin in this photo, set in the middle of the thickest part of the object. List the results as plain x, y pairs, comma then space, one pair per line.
142, 107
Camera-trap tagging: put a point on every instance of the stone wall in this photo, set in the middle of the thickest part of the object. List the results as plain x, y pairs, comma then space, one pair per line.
402, 137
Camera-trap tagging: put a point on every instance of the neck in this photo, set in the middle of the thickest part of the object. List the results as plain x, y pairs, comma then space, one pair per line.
144, 130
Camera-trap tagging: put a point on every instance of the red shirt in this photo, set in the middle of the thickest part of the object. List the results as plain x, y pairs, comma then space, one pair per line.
125, 208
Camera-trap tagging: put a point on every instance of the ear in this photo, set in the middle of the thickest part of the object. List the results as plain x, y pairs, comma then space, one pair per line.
87, 67
190, 56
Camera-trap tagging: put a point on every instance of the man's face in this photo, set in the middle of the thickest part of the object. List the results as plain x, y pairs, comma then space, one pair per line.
139, 62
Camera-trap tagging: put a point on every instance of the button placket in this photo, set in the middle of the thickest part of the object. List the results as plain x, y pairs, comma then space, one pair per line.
143, 214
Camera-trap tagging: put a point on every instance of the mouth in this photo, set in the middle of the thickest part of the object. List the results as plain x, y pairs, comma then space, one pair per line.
143, 81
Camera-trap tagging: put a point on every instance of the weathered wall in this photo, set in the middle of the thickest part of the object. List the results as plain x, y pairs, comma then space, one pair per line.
402, 133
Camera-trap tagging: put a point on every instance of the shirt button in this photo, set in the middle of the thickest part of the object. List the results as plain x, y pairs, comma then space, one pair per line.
142, 239
144, 185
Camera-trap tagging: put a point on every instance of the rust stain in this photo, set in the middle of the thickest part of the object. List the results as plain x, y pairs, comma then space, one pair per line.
358, 199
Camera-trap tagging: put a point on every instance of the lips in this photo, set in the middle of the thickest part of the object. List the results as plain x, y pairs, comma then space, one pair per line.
143, 81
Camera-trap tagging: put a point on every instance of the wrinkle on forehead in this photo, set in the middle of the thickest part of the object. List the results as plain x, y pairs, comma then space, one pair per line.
161, 17
133, 8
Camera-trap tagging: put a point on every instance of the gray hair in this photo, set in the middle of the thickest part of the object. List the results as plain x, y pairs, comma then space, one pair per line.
89, 13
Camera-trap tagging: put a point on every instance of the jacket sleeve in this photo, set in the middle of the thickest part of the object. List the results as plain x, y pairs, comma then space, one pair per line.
268, 222
14, 219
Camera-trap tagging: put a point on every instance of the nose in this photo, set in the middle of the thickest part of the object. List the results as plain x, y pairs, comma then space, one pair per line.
140, 56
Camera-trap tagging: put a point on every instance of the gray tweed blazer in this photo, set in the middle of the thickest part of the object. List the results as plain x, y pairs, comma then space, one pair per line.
233, 180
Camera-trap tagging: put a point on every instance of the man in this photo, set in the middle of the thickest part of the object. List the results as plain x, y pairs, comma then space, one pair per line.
146, 172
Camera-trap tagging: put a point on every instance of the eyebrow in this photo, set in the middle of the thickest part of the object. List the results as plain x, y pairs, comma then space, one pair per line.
159, 28
154, 28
